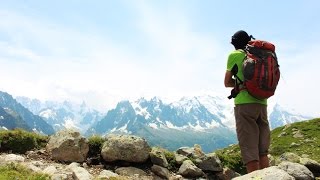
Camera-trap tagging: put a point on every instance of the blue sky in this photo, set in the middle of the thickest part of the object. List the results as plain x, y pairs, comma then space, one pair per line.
104, 51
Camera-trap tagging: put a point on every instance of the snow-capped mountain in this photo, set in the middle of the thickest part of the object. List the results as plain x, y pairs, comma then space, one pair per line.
280, 116
205, 120
63, 115
14, 115
182, 123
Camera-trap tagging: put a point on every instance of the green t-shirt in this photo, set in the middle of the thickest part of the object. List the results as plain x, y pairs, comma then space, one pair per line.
237, 57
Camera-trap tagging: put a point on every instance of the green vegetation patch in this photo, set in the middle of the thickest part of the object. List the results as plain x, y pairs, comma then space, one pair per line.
230, 157
20, 141
298, 138
95, 145
16, 171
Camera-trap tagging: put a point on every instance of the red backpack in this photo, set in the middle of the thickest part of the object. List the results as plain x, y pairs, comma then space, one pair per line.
260, 69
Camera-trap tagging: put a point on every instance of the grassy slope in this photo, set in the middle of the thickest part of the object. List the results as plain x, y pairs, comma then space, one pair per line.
309, 144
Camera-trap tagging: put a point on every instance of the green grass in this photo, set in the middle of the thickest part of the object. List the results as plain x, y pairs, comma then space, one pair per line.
309, 144
20, 141
19, 172
230, 157
95, 145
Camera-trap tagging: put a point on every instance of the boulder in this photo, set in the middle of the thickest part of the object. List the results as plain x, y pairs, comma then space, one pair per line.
158, 157
68, 146
296, 170
130, 171
312, 165
188, 169
126, 148
270, 173
209, 162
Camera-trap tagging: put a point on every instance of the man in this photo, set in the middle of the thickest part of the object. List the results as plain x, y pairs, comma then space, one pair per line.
252, 124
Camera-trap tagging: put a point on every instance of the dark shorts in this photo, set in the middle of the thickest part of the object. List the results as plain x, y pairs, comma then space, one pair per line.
253, 130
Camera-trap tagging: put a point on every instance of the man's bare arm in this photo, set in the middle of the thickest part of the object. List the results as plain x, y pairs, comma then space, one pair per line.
228, 80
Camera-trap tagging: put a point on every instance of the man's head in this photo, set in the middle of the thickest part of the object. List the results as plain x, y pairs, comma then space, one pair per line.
240, 39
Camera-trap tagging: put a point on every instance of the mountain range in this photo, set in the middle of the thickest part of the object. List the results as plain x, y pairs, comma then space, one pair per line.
206, 120
18, 116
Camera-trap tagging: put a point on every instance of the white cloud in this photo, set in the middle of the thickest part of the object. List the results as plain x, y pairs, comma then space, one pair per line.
41, 59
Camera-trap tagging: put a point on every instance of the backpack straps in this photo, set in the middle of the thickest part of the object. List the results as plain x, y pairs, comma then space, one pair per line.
237, 83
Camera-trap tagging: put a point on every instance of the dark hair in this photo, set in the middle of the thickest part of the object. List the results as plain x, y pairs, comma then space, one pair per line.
240, 39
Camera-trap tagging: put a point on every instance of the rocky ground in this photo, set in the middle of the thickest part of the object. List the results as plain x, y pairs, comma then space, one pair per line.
129, 157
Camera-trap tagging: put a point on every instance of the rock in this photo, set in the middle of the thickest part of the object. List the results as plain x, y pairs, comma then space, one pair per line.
298, 134
59, 177
296, 170
73, 165
106, 174
312, 165
282, 134
294, 144
289, 157
50, 170
180, 158
188, 169
80, 173
272, 160
227, 174
130, 171
160, 171
125, 147
32, 167
270, 173
68, 146
13, 158
158, 157
209, 162
194, 152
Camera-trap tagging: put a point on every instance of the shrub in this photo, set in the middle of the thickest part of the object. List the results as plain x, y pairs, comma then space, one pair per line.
171, 160
20, 141
95, 145
16, 171
231, 158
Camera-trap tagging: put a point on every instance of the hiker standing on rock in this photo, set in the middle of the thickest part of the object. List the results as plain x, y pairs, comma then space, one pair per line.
252, 124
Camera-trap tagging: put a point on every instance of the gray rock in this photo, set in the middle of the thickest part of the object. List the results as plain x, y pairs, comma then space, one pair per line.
80, 173
194, 152
227, 174
270, 173
160, 171
68, 146
59, 177
72, 165
289, 157
158, 157
50, 170
312, 165
106, 174
125, 147
209, 162
188, 169
130, 171
296, 170
180, 158
13, 158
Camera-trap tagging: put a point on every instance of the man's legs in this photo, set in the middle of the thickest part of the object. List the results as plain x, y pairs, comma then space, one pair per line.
252, 166
256, 165
264, 161
264, 138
